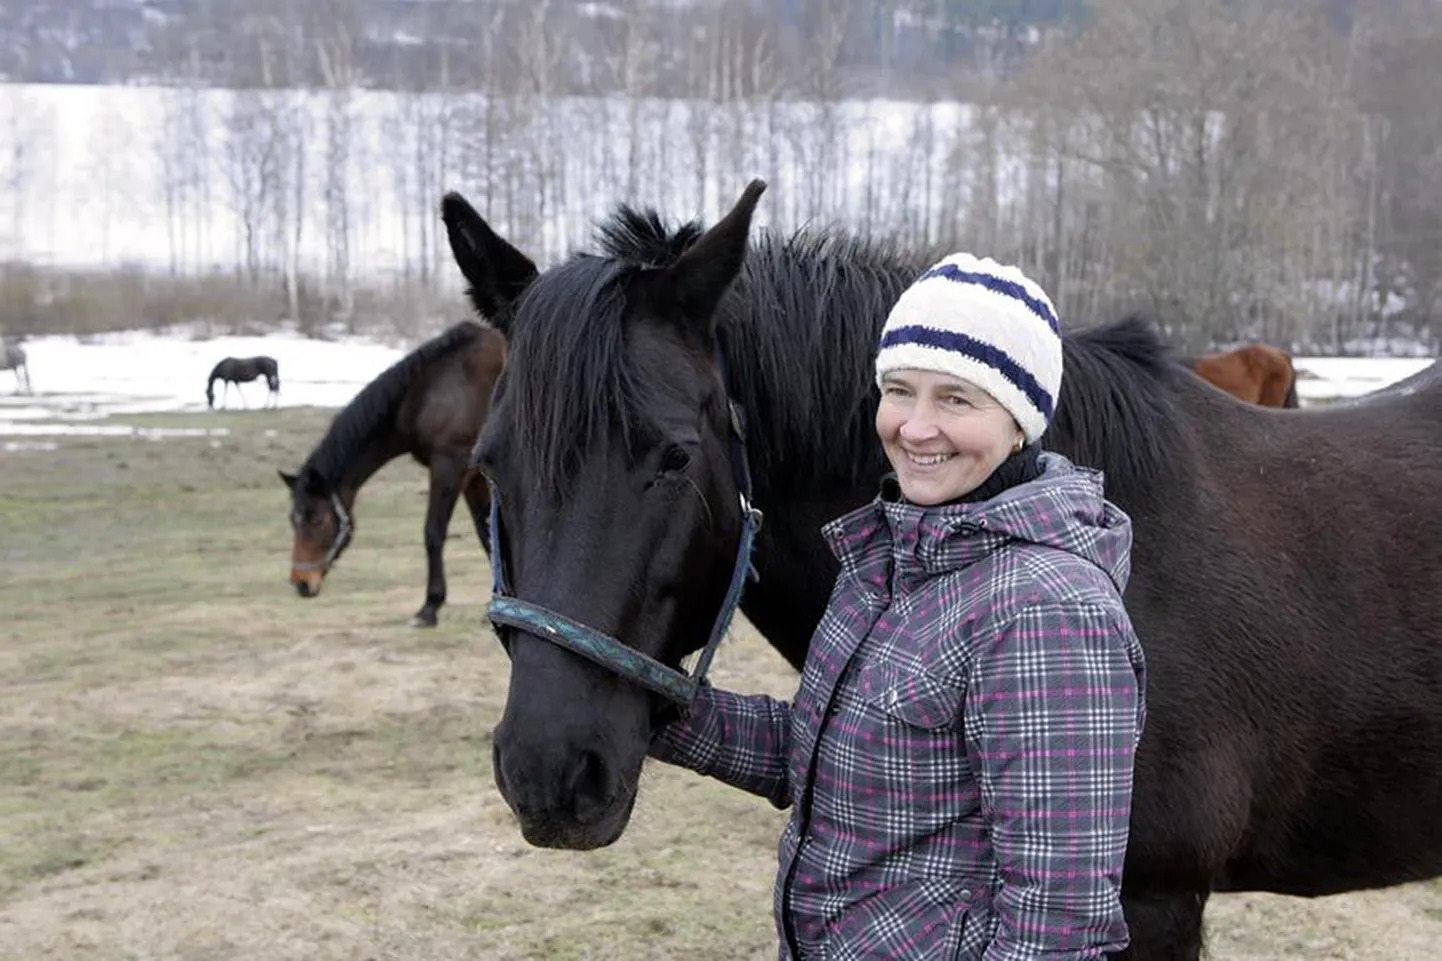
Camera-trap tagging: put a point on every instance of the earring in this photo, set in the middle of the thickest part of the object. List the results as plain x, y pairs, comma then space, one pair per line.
1020, 443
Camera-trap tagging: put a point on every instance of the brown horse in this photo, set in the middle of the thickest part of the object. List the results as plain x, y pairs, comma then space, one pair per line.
1257, 373
429, 404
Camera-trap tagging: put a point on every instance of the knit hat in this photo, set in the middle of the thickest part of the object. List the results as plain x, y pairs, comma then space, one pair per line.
986, 323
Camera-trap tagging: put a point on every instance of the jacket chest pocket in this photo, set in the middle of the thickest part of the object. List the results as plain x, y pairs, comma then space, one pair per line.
903, 753
910, 698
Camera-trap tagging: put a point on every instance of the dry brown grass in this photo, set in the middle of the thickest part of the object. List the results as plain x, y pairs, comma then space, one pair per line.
194, 763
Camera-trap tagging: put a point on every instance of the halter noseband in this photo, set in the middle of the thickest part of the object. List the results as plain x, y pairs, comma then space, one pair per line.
343, 530
508, 610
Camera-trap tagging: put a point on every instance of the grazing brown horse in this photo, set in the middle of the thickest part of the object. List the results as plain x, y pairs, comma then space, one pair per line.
429, 404
1257, 373
1293, 741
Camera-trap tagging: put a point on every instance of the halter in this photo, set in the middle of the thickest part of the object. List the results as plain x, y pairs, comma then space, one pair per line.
511, 611
343, 530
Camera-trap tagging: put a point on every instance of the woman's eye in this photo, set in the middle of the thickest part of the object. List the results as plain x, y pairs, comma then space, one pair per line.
956, 400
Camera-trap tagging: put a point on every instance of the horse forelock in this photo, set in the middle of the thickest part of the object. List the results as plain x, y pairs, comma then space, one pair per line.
640, 236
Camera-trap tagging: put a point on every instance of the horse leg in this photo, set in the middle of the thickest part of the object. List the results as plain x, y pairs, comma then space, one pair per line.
445, 488
1163, 927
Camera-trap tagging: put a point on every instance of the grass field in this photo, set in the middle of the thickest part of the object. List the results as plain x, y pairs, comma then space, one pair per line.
195, 763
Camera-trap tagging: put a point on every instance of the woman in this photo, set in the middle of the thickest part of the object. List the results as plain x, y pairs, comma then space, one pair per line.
958, 758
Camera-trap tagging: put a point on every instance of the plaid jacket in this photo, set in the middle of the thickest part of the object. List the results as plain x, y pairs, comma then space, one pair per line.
958, 758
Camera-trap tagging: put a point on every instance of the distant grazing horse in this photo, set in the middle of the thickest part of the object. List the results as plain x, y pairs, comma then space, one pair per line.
1286, 573
429, 404
1257, 373
12, 357
237, 371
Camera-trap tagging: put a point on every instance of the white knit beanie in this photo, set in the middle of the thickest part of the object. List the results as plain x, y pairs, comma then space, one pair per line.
986, 323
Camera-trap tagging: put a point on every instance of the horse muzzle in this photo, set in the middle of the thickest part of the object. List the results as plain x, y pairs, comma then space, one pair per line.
307, 583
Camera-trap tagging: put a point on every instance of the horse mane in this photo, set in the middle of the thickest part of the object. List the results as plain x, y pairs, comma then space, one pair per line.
805, 349
818, 294
1117, 411
375, 406
795, 299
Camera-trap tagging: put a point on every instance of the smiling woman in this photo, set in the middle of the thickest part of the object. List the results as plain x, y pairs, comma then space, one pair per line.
966, 724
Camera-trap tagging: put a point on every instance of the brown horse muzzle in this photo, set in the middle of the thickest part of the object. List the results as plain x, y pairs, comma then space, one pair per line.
307, 569
307, 583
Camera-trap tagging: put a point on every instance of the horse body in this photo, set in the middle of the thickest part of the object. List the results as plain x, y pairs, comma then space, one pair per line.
1256, 373
1285, 576
12, 357
243, 370
429, 404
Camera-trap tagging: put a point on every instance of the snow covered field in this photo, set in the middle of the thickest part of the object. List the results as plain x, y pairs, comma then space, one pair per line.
89, 388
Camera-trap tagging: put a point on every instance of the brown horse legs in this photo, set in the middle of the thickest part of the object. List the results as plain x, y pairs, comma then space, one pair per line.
1164, 927
446, 473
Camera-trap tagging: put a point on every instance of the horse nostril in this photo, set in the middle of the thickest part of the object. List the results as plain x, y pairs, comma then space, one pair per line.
588, 780
302, 588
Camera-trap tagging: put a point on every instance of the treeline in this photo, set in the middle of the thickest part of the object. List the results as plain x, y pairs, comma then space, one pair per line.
1241, 169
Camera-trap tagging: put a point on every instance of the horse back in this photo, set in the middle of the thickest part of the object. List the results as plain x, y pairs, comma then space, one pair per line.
450, 400
1290, 605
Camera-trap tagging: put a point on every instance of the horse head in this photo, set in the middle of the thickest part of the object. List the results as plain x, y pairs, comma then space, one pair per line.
321, 521
613, 394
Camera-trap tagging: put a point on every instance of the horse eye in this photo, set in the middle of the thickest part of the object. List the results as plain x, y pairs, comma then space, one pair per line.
675, 460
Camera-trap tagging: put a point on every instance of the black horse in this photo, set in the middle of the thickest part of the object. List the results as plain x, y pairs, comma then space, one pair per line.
430, 404
12, 357
1287, 567
243, 370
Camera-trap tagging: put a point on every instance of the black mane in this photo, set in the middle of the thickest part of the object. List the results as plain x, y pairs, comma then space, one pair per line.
375, 406
1117, 410
801, 322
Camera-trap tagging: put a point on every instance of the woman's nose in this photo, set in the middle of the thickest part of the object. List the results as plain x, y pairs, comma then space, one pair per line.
918, 427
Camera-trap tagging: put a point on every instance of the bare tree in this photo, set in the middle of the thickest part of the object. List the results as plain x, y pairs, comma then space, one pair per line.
18, 159
336, 57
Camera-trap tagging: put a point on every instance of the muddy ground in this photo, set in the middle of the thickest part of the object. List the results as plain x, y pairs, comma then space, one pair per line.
195, 763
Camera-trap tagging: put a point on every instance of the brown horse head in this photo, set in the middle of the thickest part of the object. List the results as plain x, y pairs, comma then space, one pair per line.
1257, 373
321, 520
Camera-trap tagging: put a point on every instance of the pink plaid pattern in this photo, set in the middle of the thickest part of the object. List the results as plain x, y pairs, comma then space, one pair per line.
958, 757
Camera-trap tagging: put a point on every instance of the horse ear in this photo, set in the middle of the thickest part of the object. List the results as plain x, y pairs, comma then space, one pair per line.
289, 479
702, 274
496, 271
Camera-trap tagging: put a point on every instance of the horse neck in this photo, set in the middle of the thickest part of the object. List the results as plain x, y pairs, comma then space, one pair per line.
371, 458
348, 477
796, 568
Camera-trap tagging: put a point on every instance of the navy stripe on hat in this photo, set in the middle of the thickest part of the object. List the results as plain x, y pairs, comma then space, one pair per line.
979, 350
1007, 288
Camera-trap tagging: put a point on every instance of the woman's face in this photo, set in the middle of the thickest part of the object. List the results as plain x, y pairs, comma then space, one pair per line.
944, 436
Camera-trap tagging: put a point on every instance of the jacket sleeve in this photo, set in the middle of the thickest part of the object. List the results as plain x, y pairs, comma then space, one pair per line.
1053, 713
741, 740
